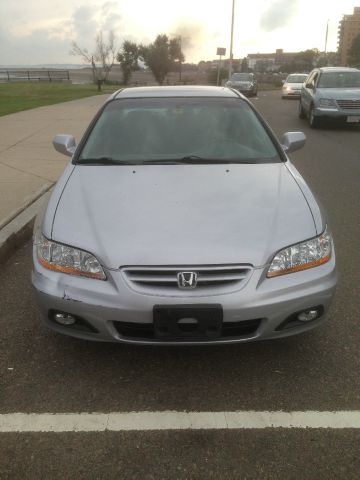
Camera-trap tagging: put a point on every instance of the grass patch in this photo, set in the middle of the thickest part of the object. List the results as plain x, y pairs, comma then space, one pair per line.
15, 97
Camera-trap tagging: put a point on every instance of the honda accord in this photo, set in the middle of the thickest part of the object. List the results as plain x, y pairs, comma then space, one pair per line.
181, 220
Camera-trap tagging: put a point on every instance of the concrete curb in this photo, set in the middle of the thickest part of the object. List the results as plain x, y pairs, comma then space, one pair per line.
28, 201
17, 231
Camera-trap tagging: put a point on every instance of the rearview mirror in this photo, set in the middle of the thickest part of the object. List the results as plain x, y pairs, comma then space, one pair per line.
292, 141
65, 144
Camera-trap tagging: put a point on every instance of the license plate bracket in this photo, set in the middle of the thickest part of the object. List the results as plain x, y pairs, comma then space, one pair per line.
186, 322
353, 119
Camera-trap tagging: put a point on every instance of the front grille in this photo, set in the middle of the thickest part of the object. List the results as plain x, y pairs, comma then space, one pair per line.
349, 104
164, 280
146, 332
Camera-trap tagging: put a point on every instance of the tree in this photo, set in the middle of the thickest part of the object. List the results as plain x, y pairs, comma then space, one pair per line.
101, 60
176, 54
161, 55
354, 52
128, 59
306, 59
244, 65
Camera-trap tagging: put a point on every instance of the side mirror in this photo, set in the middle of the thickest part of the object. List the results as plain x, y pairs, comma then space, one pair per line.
65, 144
309, 85
292, 141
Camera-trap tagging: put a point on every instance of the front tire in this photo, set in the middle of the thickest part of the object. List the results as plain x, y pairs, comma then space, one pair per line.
314, 122
301, 112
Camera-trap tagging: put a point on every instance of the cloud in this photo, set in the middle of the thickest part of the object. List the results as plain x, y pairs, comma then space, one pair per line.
83, 22
192, 34
110, 17
33, 48
278, 14
49, 41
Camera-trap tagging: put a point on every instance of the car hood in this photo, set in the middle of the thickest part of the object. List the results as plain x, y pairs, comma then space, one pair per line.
235, 83
339, 93
182, 214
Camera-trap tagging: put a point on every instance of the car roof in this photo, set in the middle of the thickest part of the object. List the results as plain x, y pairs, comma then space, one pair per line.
338, 69
175, 91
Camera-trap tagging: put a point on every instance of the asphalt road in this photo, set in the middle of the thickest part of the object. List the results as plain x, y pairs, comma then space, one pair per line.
44, 372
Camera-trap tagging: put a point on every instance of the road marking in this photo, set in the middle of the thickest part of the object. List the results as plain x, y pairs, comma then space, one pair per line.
173, 420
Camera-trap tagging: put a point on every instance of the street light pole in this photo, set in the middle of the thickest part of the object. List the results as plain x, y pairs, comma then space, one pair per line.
231, 38
180, 66
326, 40
326, 35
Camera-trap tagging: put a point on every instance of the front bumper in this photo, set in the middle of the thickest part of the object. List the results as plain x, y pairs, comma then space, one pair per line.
338, 114
100, 304
246, 91
291, 93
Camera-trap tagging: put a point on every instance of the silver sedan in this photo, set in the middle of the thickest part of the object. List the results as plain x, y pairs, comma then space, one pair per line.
293, 84
181, 220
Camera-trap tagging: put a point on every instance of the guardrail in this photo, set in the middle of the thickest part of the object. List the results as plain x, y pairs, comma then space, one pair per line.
19, 75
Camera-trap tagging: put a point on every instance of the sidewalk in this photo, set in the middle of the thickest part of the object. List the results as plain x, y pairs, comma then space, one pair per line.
29, 164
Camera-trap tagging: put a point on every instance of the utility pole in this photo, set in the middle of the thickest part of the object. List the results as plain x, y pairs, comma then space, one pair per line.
231, 38
326, 35
180, 66
326, 39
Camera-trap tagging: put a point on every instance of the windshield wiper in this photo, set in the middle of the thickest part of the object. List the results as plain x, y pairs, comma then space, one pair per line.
189, 159
195, 159
102, 161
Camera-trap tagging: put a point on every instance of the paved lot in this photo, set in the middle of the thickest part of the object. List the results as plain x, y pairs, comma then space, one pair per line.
44, 372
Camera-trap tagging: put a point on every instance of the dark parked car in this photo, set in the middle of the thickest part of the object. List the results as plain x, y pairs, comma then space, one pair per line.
245, 83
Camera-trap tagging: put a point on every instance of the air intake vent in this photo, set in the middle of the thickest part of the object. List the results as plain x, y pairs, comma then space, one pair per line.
349, 104
207, 280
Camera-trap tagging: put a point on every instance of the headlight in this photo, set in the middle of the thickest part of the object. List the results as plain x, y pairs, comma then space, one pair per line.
61, 258
302, 256
327, 103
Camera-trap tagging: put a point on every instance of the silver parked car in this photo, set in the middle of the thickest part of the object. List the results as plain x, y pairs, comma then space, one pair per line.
180, 219
292, 85
331, 93
245, 83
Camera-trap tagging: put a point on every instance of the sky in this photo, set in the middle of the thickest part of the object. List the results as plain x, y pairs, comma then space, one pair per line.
41, 31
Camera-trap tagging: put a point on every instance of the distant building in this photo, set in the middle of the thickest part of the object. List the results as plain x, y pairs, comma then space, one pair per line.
225, 64
270, 62
213, 65
349, 28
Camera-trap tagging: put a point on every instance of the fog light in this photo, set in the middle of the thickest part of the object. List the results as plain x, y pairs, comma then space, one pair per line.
64, 319
308, 315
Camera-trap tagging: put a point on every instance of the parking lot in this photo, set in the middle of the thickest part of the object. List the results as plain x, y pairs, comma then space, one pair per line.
43, 372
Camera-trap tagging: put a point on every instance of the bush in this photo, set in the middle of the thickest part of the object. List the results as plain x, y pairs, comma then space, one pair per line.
212, 76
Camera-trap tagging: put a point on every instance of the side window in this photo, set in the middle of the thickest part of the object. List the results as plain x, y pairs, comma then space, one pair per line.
310, 78
315, 79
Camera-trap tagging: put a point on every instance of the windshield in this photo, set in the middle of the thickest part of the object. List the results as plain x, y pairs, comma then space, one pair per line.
296, 79
339, 80
168, 129
242, 77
